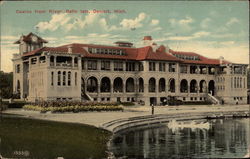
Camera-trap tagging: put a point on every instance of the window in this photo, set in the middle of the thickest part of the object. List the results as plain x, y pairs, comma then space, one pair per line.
59, 78
52, 78
183, 68
140, 66
118, 66
92, 65
151, 66
105, 65
69, 78
18, 68
162, 67
130, 66
172, 67
64, 78
76, 78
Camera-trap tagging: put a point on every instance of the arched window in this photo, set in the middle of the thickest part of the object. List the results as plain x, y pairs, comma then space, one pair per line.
130, 85
92, 84
105, 84
141, 85
59, 78
240, 82
235, 82
162, 85
203, 86
184, 86
76, 78
193, 86
69, 78
52, 78
172, 85
232, 82
118, 85
64, 78
152, 85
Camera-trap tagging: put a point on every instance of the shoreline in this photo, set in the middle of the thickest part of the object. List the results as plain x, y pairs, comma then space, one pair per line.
134, 116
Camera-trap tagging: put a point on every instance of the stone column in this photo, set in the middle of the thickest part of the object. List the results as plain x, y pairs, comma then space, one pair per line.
55, 57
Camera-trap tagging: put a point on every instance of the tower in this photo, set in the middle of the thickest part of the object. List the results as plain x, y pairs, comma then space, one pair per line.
29, 43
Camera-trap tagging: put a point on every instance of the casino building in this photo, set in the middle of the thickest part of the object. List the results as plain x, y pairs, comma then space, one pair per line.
148, 75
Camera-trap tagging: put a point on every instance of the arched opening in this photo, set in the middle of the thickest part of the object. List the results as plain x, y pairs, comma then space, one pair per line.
118, 85
141, 85
92, 85
18, 86
203, 86
64, 78
172, 85
130, 86
82, 86
193, 86
162, 85
151, 85
105, 84
52, 60
69, 78
59, 78
75, 61
211, 87
184, 86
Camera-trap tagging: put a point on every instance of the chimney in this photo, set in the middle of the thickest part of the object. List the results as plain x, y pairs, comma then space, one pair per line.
221, 59
154, 47
147, 40
70, 49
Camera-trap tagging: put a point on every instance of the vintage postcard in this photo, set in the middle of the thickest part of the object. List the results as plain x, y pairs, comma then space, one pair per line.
124, 79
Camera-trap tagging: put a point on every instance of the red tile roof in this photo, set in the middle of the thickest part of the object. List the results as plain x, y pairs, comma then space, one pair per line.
27, 38
203, 59
144, 53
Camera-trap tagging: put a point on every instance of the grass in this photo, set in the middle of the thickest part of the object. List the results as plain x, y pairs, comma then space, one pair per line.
43, 139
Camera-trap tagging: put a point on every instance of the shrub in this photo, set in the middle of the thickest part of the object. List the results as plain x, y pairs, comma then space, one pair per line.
127, 103
73, 108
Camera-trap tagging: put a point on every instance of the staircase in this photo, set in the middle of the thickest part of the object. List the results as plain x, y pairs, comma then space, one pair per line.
87, 97
213, 99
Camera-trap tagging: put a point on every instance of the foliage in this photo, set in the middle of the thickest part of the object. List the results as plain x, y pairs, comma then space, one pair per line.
72, 106
127, 103
15, 104
6, 84
72, 103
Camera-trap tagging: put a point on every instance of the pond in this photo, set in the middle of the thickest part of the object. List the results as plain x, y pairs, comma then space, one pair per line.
27, 138
223, 138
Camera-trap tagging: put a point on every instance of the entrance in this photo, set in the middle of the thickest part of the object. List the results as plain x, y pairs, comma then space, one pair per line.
153, 101
211, 87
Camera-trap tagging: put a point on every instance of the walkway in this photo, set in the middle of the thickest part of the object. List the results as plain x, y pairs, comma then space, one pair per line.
101, 119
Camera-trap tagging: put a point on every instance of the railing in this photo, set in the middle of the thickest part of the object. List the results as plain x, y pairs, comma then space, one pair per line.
213, 99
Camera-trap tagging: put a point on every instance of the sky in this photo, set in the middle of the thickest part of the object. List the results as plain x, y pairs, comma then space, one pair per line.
210, 28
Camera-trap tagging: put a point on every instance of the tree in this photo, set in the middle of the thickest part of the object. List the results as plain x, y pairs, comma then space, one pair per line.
6, 84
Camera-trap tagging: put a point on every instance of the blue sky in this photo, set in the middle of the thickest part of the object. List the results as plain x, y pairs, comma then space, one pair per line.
213, 29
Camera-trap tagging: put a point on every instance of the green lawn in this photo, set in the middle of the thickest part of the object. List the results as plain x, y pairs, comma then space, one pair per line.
43, 139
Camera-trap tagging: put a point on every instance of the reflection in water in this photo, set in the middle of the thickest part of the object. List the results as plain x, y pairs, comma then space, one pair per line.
224, 138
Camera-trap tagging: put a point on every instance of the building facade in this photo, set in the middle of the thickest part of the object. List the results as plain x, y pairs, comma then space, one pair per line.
146, 75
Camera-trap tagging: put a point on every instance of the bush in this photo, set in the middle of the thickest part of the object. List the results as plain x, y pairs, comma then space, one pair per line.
74, 108
127, 103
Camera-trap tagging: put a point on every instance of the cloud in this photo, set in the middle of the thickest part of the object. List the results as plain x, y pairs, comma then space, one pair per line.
232, 21
9, 37
182, 25
227, 42
56, 21
193, 36
204, 23
154, 22
133, 23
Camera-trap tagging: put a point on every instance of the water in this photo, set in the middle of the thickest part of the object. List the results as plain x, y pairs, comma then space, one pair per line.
228, 138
